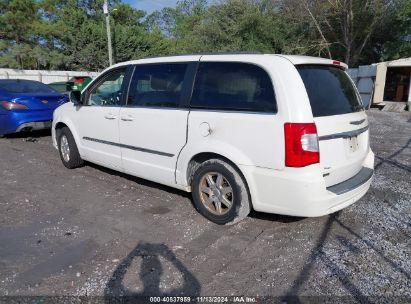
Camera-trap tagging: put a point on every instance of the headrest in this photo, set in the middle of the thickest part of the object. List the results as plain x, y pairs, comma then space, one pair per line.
159, 82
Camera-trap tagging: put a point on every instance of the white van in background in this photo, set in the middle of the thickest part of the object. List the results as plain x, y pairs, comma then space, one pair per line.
279, 134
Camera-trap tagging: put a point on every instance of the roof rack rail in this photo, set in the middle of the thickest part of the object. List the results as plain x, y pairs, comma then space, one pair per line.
208, 53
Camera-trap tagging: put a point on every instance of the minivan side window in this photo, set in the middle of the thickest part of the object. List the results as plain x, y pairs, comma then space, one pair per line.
233, 86
157, 85
108, 91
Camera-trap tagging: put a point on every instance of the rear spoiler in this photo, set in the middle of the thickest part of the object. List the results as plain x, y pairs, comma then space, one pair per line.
308, 60
341, 64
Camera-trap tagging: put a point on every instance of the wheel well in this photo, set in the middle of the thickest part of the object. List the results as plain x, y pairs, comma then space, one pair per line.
198, 159
58, 128
60, 125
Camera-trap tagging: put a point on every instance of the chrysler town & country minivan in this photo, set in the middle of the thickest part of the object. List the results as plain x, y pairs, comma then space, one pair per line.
273, 133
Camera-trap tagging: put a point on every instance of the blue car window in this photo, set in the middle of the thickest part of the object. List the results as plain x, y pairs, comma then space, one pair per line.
25, 86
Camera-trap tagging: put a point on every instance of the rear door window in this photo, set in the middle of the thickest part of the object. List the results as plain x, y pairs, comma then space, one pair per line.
233, 86
157, 85
330, 90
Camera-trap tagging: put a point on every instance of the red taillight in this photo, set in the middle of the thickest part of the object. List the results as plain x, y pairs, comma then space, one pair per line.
301, 144
336, 62
13, 106
79, 81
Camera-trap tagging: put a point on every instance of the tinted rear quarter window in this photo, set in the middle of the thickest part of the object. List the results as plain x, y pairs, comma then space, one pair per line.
233, 86
330, 90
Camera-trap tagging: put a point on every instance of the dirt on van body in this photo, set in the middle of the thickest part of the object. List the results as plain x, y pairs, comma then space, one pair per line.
92, 231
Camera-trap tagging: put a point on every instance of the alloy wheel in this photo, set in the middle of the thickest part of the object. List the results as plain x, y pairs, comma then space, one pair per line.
216, 193
65, 148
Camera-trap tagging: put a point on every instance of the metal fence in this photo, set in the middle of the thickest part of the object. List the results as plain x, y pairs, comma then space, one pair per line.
364, 79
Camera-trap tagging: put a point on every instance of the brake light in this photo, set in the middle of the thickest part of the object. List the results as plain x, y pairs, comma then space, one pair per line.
301, 144
336, 62
13, 106
79, 81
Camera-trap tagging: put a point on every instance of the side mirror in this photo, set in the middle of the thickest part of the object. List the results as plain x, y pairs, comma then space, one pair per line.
75, 97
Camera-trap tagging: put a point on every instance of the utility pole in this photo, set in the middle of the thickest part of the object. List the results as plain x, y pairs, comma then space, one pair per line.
110, 51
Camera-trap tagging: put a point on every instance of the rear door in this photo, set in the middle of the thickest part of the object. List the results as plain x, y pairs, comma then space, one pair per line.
342, 124
153, 123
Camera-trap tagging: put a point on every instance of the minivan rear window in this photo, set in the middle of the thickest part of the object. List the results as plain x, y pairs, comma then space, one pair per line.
330, 90
233, 86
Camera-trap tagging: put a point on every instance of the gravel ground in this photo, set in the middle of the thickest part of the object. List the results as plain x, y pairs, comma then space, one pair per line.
92, 231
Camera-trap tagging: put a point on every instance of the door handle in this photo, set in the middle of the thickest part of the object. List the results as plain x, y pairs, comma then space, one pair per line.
127, 118
110, 116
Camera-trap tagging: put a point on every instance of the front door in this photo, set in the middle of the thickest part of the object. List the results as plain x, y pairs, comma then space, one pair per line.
98, 120
153, 123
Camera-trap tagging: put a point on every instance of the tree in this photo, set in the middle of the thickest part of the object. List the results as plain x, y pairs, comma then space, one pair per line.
132, 39
245, 26
343, 29
395, 42
178, 24
17, 26
71, 34
233, 25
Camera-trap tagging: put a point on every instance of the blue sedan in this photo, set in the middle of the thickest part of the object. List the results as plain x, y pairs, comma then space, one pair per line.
27, 105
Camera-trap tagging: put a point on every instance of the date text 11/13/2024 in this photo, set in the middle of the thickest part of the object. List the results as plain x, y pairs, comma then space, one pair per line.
203, 299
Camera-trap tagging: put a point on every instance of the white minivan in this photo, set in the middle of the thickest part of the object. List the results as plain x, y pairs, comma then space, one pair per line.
273, 133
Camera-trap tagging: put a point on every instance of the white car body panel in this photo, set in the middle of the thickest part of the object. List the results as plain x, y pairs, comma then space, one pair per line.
337, 159
254, 142
234, 136
162, 131
64, 115
103, 126
299, 191
78, 120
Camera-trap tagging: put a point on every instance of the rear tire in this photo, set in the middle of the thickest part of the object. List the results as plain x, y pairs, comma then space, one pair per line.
68, 149
220, 193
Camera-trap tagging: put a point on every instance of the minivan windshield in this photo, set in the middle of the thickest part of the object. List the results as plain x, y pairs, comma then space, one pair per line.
330, 90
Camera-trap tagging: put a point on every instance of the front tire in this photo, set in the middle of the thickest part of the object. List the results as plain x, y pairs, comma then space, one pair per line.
220, 193
68, 149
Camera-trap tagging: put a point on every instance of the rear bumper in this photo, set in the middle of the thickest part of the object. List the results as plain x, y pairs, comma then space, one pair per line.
32, 126
354, 182
16, 121
303, 192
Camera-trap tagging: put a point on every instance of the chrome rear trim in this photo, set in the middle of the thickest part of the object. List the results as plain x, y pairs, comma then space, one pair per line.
348, 134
